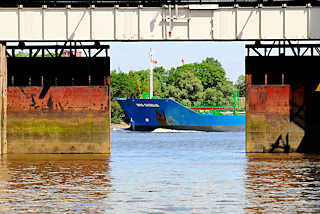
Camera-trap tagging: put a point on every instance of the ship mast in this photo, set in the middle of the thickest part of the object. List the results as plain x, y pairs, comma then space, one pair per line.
151, 75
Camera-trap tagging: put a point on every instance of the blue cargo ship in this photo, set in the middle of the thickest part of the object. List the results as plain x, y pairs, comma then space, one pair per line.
149, 114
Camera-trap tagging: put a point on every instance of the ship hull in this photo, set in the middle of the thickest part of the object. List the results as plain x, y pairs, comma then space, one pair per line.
229, 128
149, 114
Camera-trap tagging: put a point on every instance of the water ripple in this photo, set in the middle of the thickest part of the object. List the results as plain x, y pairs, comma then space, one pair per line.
162, 173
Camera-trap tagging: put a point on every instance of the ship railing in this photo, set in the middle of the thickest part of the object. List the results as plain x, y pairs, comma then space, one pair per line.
219, 110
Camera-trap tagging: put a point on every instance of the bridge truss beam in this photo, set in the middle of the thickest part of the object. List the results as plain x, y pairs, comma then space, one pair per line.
152, 3
283, 48
170, 22
68, 49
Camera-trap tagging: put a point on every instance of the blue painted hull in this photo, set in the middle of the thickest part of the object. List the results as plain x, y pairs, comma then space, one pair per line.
149, 114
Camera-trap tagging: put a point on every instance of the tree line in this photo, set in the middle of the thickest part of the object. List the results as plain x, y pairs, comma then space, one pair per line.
194, 84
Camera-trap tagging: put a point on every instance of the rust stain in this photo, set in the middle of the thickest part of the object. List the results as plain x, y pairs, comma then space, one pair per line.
268, 99
57, 99
58, 119
268, 119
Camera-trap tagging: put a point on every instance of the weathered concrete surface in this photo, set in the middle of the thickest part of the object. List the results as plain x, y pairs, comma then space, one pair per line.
300, 73
62, 119
269, 128
3, 100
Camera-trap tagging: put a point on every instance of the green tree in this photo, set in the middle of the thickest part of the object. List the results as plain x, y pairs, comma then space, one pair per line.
141, 76
186, 87
211, 73
117, 113
241, 85
123, 85
227, 88
161, 77
212, 61
212, 96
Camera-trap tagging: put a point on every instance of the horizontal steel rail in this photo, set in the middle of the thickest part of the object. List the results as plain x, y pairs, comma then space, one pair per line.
283, 48
151, 3
89, 50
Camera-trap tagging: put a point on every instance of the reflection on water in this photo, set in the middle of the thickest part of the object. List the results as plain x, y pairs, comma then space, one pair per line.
283, 183
50, 183
195, 172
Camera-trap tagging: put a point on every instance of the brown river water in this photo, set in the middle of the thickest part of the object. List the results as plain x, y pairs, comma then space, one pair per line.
185, 172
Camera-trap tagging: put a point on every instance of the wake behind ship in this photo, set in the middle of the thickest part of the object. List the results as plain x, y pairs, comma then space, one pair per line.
149, 114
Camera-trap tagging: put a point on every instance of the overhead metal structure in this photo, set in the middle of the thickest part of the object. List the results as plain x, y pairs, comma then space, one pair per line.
203, 22
67, 64
68, 49
283, 48
152, 3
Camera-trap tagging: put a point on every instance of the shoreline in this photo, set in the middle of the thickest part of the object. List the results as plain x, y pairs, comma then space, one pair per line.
121, 125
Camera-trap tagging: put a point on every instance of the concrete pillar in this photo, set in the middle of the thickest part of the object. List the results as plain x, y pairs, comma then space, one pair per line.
63, 118
276, 105
268, 126
108, 109
1, 96
3, 100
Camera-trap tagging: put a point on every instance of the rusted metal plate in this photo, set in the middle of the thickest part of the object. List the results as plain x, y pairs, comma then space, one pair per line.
57, 99
268, 99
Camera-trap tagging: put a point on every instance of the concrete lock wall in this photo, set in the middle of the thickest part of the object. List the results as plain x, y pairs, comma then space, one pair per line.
282, 104
58, 105
3, 100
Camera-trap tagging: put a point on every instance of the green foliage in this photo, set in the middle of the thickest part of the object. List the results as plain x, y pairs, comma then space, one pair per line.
185, 87
123, 85
202, 83
209, 72
241, 85
26, 54
212, 96
117, 113
22, 54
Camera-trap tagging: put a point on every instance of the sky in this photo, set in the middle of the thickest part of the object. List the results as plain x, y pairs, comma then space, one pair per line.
126, 56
